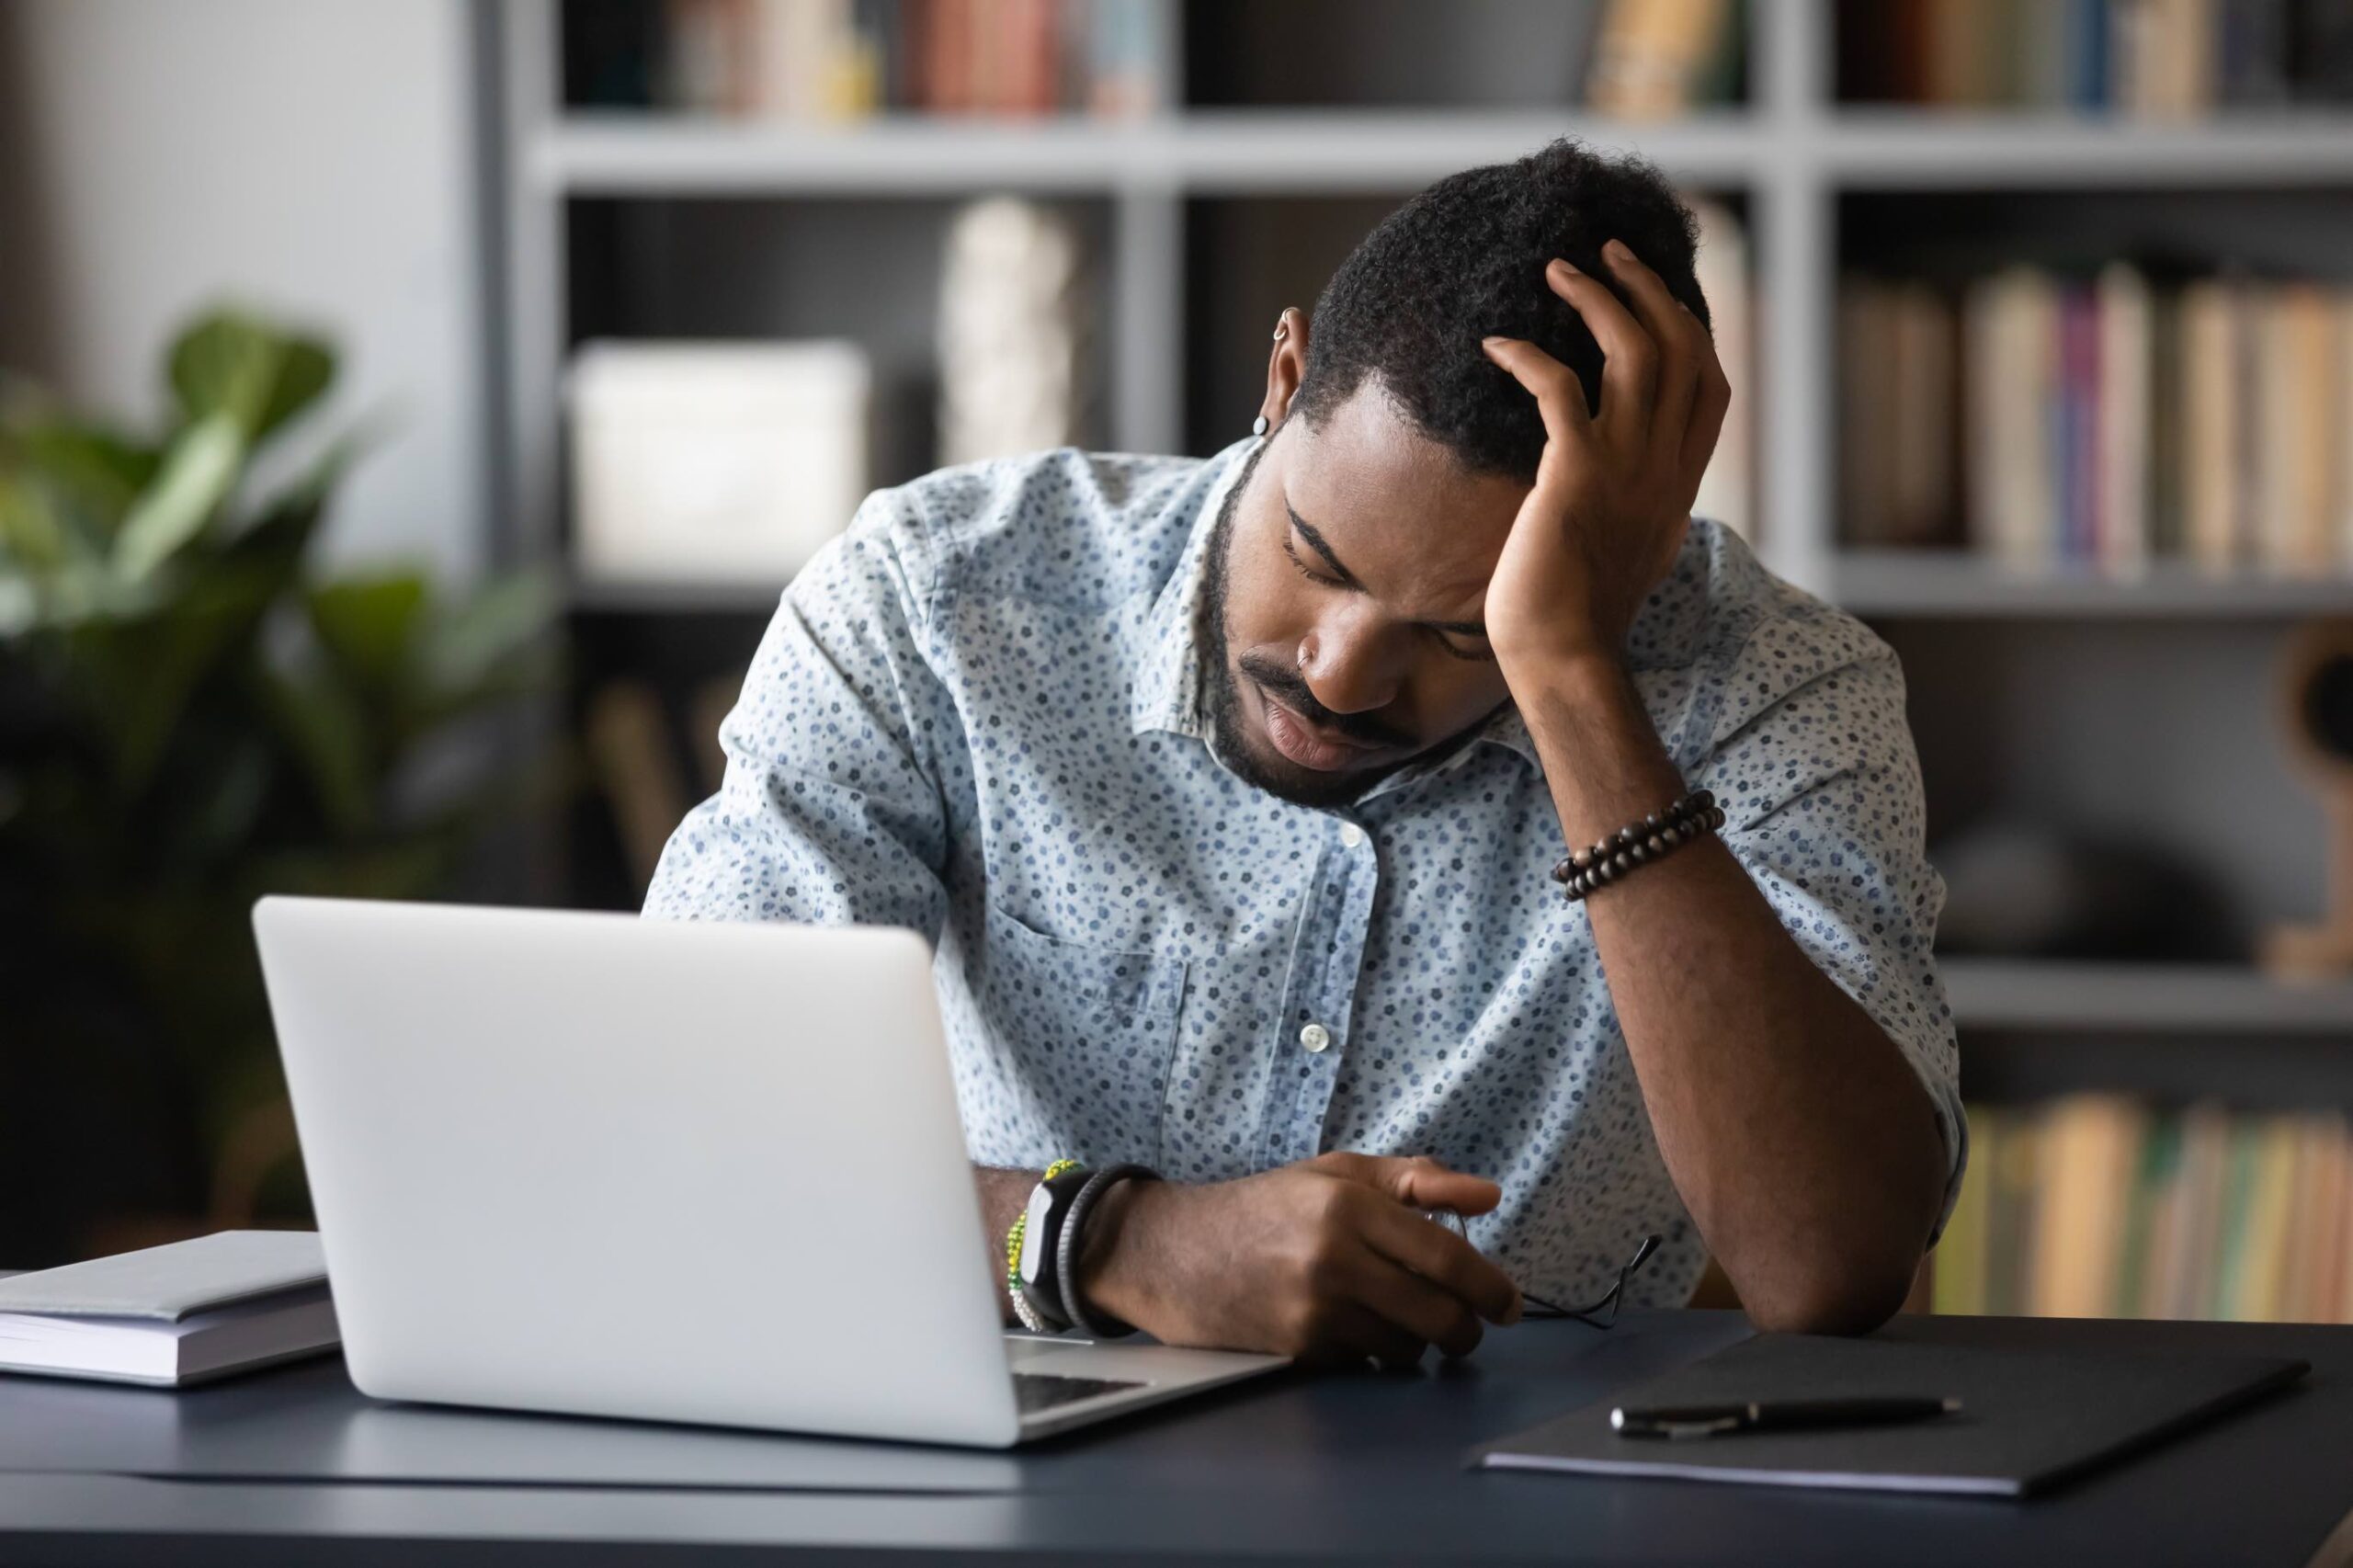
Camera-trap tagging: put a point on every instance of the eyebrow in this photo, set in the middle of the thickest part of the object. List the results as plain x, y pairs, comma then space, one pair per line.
1315, 542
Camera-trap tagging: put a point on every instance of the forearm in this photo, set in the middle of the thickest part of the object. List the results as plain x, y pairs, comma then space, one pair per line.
1803, 1144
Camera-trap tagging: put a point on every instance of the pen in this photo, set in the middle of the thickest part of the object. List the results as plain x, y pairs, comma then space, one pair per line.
1713, 1420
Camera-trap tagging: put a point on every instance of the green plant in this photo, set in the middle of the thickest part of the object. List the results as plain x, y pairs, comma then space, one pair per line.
193, 713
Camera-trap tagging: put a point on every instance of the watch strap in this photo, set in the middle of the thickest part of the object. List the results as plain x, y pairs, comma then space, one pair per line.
1038, 1304
1049, 1204
1094, 1325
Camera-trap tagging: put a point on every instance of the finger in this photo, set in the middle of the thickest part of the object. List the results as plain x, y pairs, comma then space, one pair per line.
1560, 397
1707, 411
1629, 357
1416, 1181
1446, 1260
1429, 1184
1670, 327
1415, 1304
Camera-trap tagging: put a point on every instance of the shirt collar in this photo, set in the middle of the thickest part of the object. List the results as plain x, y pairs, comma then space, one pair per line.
1169, 675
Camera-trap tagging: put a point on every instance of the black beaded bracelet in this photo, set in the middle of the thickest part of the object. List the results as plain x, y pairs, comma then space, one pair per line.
1638, 844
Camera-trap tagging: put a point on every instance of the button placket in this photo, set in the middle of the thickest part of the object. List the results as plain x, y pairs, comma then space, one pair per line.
1334, 960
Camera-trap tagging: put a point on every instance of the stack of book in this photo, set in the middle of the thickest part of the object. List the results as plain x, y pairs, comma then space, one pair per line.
2100, 1206
171, 1315
2052, 420
844, 60
2162, 58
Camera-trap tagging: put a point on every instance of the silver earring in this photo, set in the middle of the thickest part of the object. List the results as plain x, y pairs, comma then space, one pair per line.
1258, 426
1282, 330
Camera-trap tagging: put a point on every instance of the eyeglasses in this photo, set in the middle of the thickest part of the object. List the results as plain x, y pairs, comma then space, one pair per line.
1601, 1312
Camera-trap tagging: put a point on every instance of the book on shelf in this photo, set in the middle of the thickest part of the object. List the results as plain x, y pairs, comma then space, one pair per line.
1896, 386
836, 61
1659, 59
627, 736
2100, 422
2156, 58
2103, 1205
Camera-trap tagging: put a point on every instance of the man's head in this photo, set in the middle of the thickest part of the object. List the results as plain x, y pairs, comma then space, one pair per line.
1351, 560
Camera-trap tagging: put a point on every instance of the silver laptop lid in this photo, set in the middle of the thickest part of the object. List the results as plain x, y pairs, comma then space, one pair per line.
595, 1164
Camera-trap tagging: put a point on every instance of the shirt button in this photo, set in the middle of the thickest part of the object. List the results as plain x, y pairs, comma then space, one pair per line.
1351, 835
1316, 1037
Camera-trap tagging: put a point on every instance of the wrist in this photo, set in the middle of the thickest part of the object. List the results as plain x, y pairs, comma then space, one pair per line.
1567, 674
1115, 1268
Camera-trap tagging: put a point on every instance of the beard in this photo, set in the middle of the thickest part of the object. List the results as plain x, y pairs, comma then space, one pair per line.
1302, 787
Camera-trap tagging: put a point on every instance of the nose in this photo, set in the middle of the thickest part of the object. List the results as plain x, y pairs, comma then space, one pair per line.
1350, 663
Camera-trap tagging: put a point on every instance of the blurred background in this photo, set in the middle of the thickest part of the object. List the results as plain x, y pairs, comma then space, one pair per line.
411, 409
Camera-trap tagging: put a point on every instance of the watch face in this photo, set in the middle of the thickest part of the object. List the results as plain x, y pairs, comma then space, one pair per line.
1036, 1257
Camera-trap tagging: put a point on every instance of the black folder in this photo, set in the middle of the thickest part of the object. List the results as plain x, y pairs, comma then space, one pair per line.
2029, 1419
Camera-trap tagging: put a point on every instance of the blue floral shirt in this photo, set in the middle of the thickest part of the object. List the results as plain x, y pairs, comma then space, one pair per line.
980, 714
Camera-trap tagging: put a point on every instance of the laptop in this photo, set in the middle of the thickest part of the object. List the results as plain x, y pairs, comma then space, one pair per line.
677, 1171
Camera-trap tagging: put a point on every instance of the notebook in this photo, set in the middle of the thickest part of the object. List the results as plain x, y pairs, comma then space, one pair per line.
2029, 1419
175, 1314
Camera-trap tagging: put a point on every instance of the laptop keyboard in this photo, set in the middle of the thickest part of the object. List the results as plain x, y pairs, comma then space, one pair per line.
1034, 1392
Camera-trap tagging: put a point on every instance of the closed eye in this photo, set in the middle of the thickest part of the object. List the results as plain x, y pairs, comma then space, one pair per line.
1476, 655
1444, 639
1308, 572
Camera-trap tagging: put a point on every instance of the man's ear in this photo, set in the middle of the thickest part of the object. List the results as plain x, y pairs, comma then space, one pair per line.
1285, 363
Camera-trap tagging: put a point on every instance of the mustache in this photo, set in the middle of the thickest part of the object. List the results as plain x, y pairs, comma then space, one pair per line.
1286, 687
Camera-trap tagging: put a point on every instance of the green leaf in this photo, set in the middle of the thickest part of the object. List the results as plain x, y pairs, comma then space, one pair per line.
282, 528
143, 671
198, 471
103, 473
260, 376
473, 646
81, 592
303, 376
217, 798
368, 625
327, 734
32, 539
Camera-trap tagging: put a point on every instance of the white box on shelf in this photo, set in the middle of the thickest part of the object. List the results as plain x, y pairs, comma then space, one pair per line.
713, 461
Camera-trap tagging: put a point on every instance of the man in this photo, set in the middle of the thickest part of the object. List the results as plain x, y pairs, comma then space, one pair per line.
1228, 791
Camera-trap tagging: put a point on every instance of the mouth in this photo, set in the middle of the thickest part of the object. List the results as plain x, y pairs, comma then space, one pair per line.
1308, 746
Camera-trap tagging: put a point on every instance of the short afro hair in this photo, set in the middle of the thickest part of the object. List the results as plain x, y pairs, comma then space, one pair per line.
1465, 260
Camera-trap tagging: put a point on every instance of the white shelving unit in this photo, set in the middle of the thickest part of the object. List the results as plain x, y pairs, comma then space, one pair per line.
1790, 152
2159, 999
1956, 585
1789, 156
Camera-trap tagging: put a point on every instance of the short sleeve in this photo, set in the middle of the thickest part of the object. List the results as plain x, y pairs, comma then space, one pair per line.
1823, 805
831, 809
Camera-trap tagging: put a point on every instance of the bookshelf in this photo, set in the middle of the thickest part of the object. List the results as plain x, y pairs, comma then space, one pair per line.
2053, 996
1950, 585
2142, 703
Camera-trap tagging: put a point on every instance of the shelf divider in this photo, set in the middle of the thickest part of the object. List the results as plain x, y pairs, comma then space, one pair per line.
2157, 998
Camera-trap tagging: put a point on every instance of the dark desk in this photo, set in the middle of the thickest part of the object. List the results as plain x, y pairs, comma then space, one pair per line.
1358, 1469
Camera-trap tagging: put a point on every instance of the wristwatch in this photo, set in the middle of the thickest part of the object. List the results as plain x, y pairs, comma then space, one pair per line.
1034, 1280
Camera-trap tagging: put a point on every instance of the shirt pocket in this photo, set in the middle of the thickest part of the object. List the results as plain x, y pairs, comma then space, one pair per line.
1087, 1033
